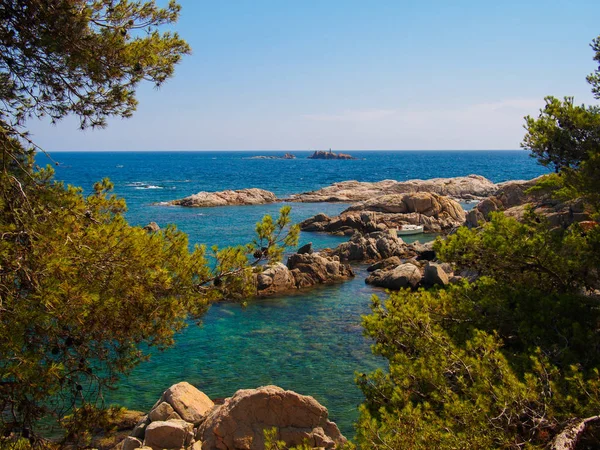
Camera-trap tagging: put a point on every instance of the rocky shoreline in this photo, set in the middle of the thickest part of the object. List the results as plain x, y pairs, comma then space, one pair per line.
472, 187
186, 418
462, 188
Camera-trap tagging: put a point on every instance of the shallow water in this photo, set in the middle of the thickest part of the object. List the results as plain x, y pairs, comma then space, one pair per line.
310, 342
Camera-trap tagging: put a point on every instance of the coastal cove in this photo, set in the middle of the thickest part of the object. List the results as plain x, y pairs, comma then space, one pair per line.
310, 342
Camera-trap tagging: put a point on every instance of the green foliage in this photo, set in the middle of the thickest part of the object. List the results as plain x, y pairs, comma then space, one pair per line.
273, 443
594, 78
564, 135
511, 359
81, 57
567, 137
503, 362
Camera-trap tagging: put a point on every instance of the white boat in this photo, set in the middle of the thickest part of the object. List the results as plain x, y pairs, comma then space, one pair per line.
409, 229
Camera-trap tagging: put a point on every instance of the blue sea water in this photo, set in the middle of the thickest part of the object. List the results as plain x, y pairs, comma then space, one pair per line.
310, 342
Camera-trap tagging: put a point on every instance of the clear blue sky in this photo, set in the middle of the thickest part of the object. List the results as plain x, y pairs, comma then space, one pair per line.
269, 75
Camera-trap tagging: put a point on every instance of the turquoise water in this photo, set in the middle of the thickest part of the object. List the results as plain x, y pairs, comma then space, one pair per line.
310, 342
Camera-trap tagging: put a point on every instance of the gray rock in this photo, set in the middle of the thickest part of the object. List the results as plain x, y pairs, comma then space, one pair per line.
307, 248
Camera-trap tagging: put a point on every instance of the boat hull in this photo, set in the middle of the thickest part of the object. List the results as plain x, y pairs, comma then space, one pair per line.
407, 231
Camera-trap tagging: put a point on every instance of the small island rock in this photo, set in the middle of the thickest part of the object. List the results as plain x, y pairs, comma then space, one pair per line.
319, 154
252, 196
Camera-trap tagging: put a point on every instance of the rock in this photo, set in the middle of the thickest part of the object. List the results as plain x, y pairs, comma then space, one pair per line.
474, 218
302, 270
514, 200
187, 401
203, 199
469, 187
173, 434
319, 154
289, 156
152, 227
131, 443
140, 428
387, 263
163, 412
315, 268
239, 423
276, 278
434, 274
405, 275
372, 247
435, 212
307, 248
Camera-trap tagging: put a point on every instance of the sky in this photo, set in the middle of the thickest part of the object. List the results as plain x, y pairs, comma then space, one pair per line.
355, 75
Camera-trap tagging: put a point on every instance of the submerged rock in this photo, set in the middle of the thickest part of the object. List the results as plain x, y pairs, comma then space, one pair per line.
204, 199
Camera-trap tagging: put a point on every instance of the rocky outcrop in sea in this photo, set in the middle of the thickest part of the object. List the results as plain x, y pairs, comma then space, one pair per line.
435, 212
302, 270
185, 418
319, 154
464, 188
252, 196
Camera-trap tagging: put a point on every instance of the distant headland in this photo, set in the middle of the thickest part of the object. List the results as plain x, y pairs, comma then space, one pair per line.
320, 154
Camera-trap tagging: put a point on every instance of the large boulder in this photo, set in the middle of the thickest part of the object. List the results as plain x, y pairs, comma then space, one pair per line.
435, 274
187, 401
372, 247
240, 422
173, 434
404, 275
275, 278
316, 268
302, 270
204, 199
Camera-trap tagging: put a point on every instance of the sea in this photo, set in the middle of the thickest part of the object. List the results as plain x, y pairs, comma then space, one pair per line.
310, 341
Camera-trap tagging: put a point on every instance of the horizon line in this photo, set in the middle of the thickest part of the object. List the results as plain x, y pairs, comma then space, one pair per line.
288, 150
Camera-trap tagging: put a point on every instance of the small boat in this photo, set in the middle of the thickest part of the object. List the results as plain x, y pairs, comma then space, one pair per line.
409, 229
